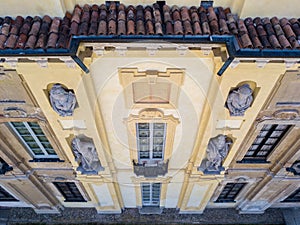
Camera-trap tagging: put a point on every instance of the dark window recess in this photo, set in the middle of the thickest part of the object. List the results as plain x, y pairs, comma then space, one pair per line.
6, 197
207, 4
294, 197
70, 191
161, 4
265, 142
107, 3
229, 192
4, 167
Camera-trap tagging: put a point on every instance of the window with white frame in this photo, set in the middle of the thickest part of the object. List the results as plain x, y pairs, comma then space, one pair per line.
33, 137
151, 141
151, 194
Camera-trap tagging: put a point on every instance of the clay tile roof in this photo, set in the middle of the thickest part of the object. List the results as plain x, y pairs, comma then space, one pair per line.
119, 19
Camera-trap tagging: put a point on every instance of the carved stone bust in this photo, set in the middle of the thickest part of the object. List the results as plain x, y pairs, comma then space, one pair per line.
63, 102
239, 100
86, 154
216, 152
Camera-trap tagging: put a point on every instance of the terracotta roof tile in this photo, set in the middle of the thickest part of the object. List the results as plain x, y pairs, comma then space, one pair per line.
118, 19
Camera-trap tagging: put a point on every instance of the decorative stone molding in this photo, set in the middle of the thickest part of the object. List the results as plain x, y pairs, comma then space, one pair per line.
286, 114
153, 170
151, 88
217, 149
261, 63
234, 63
290, 63
70, 63
182, 50
12, 62
16, 100
254, 207
206, 50
280, 115
41, 61
121, 50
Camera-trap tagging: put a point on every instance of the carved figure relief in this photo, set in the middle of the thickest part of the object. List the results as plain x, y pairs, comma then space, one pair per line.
239, 100
86, 154
217, 150
63, 102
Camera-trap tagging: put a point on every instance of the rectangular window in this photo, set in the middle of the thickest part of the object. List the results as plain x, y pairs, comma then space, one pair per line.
151, 194
229, 192
33, 137
265, 142
5, 196
70, 191
151, 141
294, 197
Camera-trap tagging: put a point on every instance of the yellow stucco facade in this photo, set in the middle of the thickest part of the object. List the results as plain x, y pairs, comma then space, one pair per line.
192, 107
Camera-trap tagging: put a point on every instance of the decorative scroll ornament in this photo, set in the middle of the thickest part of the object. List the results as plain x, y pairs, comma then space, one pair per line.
86, 154
63, 102
217, 150
239, 100
24, 111
282, 114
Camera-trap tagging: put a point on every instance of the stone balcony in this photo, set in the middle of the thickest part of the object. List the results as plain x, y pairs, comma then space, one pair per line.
151, 169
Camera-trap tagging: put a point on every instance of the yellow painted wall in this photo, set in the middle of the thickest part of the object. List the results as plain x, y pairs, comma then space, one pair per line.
244, 8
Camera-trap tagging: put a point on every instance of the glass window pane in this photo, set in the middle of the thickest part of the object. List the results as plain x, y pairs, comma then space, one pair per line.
33, 138
37, 131
159, 125
143, 125
267, 127
281, 127
144, 133
276, 134
263, 133
266, 147
27, 138
253, 147
23, 131
144, 141
258, 140
158, 133
271, 141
